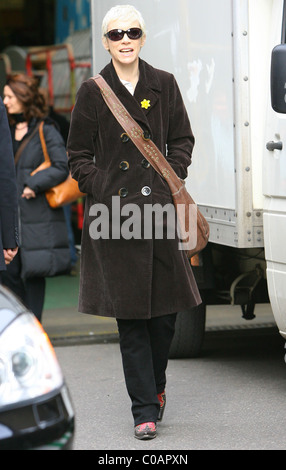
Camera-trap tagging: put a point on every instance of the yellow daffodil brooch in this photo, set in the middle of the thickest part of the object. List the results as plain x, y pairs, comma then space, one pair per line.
145, 104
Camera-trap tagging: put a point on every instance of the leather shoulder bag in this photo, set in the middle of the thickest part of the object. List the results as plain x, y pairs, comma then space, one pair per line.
194, 227
65, 192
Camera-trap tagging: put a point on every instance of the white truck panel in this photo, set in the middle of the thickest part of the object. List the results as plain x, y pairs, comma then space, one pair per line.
276, 281
274, 171
274, 190
260, 46
274, 226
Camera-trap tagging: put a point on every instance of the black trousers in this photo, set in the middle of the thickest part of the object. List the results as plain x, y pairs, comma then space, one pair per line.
31, 291
145, 346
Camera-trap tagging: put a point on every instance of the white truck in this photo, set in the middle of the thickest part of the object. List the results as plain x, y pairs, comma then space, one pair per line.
220, 53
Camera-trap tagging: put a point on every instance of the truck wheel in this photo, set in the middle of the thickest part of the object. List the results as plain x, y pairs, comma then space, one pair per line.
189, 333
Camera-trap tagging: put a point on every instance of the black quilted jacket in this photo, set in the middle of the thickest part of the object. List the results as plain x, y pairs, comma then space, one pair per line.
43, 236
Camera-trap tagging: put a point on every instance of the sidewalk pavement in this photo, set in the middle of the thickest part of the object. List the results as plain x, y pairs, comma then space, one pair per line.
66, 326
62, 321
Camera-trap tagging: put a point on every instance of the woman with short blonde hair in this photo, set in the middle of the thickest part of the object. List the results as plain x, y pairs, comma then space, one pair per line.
141, 281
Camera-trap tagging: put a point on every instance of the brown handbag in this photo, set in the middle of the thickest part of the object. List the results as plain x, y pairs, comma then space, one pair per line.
191, 220
65, 192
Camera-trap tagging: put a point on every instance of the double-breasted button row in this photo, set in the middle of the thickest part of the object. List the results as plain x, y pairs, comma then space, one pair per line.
124, 165
125, 137
145, 191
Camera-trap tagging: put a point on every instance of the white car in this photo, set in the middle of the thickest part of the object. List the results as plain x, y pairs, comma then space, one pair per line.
36, 411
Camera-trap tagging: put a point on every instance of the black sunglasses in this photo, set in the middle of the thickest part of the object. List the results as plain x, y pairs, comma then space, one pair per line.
118, 34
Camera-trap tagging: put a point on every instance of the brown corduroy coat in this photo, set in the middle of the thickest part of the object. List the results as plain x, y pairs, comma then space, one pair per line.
138, 277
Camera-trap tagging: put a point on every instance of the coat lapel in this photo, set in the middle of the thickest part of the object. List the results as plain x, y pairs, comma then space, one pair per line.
148, 88
146, 93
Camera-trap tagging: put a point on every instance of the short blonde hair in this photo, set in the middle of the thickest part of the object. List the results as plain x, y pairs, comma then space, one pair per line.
123, 12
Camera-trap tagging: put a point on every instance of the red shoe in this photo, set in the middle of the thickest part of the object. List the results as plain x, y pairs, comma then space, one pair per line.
162, 400
145, 431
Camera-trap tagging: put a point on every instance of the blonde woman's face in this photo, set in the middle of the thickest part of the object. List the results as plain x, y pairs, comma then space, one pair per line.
13, 105
124, 51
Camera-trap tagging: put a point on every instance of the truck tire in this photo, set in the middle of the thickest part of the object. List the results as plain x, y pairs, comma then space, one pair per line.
189, 333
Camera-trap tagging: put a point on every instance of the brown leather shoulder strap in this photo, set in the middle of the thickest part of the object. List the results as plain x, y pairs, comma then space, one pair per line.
43, 142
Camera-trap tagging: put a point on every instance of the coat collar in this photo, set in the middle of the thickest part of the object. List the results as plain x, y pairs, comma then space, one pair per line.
148, 90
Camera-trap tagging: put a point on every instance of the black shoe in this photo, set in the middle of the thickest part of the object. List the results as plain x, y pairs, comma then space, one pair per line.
162, 400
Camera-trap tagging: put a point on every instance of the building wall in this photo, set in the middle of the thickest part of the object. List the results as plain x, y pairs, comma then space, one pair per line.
26, 23
71, 16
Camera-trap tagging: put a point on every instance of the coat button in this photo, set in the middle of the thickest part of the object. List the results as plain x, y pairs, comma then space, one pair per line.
146, 191
123, 192
124, 137
124, 165
145, 163
146, 135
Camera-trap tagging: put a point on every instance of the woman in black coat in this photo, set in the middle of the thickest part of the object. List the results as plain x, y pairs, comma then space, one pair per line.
8, 195
141, 281
44, 249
